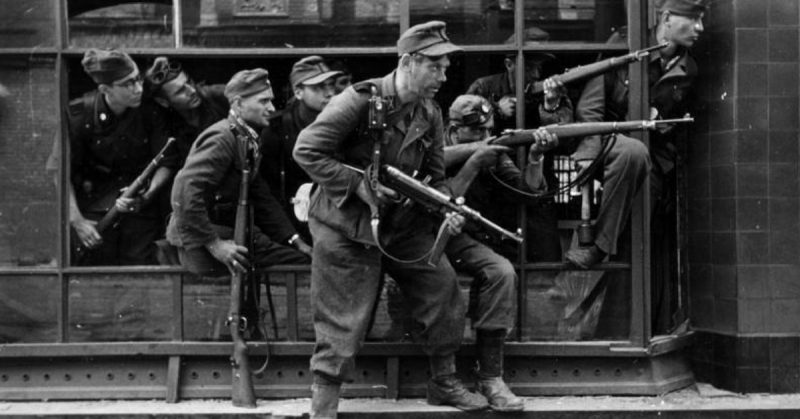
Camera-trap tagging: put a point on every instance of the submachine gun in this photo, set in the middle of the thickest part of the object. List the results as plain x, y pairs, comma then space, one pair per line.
594, 69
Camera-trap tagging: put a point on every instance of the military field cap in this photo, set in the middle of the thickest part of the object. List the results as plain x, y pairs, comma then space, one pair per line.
683, 7
427, 38
162, 71
247, 83
310, 71
470, 110
107, 66
532, 34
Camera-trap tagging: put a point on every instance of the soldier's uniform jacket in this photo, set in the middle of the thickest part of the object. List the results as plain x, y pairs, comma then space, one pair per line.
605, 98
108, 151
214, 107
413, 140
278, 167
496, 86
206, 190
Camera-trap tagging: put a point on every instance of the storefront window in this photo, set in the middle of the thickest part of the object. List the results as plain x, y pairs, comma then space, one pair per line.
28, 129
28, 309
127, 25
290, 24
572, 20
106, 308
27, 24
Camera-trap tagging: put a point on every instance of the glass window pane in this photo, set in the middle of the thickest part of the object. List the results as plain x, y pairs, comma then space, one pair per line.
114, 307
573, 20
28, 126
469, 22
577, 306
125, 25
28, 24
29, 309
295, 23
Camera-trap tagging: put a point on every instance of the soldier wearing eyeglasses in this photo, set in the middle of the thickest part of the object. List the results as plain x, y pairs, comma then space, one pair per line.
112, 139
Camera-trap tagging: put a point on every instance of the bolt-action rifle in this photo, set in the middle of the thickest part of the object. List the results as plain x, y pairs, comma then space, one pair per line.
516, 137
242, 391
111, 217
588, 71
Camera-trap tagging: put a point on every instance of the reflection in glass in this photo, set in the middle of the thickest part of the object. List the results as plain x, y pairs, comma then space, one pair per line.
107, 308
469, 22
28, 309
577, 305
127, 25
573, 20
29, 23
296, 23
28, 124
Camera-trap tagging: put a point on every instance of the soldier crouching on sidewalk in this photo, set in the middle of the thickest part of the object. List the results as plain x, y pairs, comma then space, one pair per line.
347, 265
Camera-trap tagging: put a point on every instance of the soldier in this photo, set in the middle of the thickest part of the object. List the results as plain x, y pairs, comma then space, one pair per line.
189, 107
671, 72
348, 263
112, 139
313, 84
493, 289
205, 192
555, 107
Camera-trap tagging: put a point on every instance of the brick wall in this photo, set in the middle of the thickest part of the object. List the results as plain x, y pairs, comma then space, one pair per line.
744, 217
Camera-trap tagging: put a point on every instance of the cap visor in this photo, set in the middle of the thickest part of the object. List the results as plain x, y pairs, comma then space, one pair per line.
440, 49
319, 78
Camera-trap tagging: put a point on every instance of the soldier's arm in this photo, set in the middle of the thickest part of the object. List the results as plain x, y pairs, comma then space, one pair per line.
318, 145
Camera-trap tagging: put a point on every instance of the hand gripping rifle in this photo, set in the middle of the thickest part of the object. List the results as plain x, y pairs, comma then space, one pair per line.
242, 391
588, 71
517, 137
437, 201
110, 218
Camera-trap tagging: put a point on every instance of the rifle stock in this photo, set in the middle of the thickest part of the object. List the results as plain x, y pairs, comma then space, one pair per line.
436, 201
511, 138
594, 69
242, 390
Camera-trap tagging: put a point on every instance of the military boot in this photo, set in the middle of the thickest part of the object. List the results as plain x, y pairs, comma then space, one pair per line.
444, 388
490, 372
324, 398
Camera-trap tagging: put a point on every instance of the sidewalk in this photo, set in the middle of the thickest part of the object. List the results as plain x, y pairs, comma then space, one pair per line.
702, 401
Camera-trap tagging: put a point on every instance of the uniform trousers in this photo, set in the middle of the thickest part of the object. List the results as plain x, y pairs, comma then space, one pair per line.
625, 168
346, 279
265, 253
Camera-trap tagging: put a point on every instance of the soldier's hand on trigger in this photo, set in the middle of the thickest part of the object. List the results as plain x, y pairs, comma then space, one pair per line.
87, 233
554, 90
544, 141
230, 254
507, 106
382, 195
455, 222
486, 154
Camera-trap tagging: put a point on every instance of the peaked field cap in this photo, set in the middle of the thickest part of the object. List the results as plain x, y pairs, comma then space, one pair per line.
247, 83
107, 66
427, 38
470, 110
310, 71
683, 7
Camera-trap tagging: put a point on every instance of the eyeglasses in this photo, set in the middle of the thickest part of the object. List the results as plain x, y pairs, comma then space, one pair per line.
130, 83
164, 70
